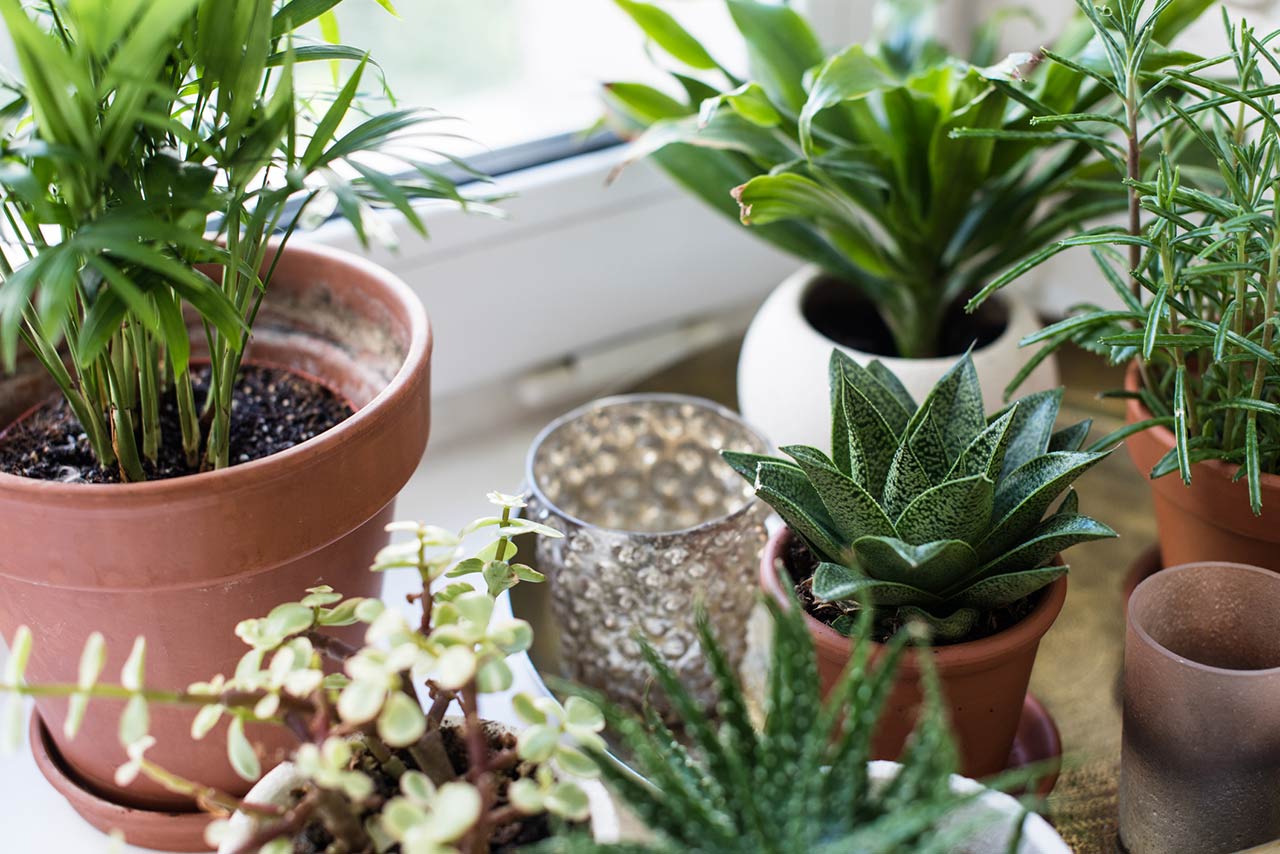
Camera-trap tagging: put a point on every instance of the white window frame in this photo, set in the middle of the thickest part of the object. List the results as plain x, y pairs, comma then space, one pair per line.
577, 266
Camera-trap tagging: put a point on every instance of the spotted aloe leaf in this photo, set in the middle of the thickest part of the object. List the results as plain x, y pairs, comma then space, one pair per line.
891, 384
852, 509
955, 509
837, 582
1024, 496
1071, 438
1001, 590
876, 438
787, 491
889, 399
955, 406
930, 567
907, 478
748, 464
1053, 535
954, 626
1032, 428
927, 443
985, 454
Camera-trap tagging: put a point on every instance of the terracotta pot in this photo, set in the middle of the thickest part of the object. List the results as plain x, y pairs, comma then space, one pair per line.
984, 681
1210, 520
182, 561
275, 789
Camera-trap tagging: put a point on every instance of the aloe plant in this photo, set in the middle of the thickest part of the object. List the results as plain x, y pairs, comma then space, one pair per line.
933, 511
143, 139
910, 174
801, 782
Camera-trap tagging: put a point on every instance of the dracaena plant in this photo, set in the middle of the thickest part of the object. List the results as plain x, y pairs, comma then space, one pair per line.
142, 139
910, 174
801, 782
1196, 272
364, 730
937, 511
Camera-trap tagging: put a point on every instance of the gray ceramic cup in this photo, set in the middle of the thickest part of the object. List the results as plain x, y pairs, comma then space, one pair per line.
1200, 763
654, 523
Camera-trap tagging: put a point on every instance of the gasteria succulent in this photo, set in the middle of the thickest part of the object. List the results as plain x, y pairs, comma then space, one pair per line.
366, 725
789, 786
933, 511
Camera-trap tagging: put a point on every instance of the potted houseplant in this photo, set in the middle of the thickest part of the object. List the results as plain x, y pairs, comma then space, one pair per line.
368, 767
879, 166
208, 417
937, 513
1196, 282
789, 785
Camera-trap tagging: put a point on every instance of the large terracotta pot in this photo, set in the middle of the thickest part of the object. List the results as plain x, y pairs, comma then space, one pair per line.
182, 561
984, 681
782, 370
1210, 520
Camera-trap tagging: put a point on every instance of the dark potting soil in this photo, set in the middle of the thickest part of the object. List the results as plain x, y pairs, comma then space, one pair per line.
272, 410
507, 839
801, 563
837, 311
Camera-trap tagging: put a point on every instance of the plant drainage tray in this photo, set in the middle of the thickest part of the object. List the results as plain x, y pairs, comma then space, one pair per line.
1037, 740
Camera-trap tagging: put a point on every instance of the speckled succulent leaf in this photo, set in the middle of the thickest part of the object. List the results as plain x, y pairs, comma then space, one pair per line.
930, 567
875, 436
985, 454
1032, 428
746, 464
785, 488
955, 406
928, 445
1023, 497
891, 384
954, 626
846, 447
835, 582
852, 509
1000, 590
894, 408
1071, 438
1070, 503
1053, 535
907, 478
956, 509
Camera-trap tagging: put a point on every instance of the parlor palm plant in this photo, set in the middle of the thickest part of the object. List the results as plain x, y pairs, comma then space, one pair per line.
910, 174
143, 140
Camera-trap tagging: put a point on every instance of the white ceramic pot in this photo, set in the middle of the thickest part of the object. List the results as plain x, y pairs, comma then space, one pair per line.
276, 786
993, 817
782, 372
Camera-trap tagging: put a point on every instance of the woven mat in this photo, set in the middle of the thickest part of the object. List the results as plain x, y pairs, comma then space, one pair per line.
1078, 667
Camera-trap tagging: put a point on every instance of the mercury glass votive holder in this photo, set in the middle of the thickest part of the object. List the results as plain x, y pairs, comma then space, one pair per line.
1200, 762
654, 524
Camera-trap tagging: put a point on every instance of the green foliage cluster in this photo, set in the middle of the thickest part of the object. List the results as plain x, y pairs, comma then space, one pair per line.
912, 175
1196, 273
802, 781
935, 511
142, 139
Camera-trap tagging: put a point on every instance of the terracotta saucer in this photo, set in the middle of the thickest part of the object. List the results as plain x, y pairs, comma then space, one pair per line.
1037, 741
166, 831
1147, 564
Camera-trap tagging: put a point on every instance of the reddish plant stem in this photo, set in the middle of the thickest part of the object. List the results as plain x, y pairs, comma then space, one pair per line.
477, 766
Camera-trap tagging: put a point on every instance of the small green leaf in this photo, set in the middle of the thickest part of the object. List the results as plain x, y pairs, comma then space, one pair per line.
135, 720
244, 759
361, 701
527, 709
537, 743
568, 801
667, 34
401, 722
92, 661
205, 720
288, 619
526, 796
494, 676
575, 762
133, 674
19, 654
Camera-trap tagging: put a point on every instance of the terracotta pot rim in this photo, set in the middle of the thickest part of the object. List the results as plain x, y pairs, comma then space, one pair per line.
531, 482
1165, 576
969, 655
811, 274
278, 465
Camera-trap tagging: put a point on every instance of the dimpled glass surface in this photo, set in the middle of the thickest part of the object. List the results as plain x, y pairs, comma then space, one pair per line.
654, 522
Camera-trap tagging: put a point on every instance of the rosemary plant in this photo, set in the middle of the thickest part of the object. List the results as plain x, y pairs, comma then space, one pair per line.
142, 140
364, 730
1197, 276
910, 174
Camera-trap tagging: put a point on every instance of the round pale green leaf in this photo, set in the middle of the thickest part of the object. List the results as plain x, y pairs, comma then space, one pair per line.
92, 660
528, 573
399, 816
417, 787
537, 743
455, 668
206, 719
493, 676
575, 762
476, 607
277, 846
527, 710
343, 614
568, 801
455, 810
369, 610
581, 712
244, 759
19, 653
135, 721
289, 619
133, 674
526, 796
401, 722
361, 701
320, 596
511, 636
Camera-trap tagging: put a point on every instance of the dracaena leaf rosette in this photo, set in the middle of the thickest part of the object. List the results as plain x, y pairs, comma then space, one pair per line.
910, 174
789, 785
934, 511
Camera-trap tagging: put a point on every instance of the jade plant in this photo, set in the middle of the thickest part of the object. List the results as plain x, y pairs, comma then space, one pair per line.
801, 782
148, 153
932, 511
377, 769
1195, 272
910, 174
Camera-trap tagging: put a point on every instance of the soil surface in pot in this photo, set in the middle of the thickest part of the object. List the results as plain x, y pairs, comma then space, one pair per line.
839, 313
506, 839
272, 410
801, 563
